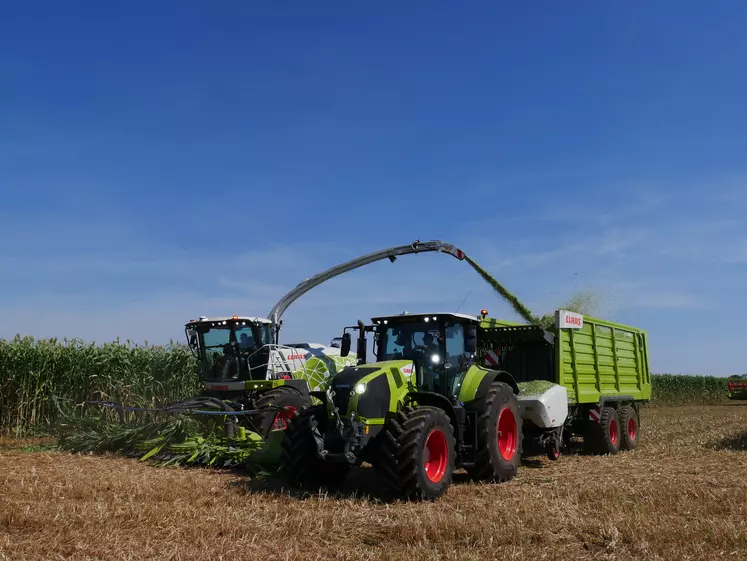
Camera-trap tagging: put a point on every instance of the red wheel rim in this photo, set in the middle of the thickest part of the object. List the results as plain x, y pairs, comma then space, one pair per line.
436, 455
613, 431
632, 429
283, 417
507, 434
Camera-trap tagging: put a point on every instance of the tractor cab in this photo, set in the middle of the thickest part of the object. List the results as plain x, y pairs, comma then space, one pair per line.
441, 347
230, 348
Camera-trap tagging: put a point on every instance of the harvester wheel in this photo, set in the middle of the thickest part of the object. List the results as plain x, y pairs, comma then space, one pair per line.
628, 427
292, 402
417, 453
300, 463
499, 436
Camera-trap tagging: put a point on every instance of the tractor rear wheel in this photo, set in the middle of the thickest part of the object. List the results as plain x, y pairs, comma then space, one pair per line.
499, 436
291, 401
300, 462
418, 452
628, 427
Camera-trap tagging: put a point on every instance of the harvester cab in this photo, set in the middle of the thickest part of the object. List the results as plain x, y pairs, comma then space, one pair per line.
230, 350
240, 365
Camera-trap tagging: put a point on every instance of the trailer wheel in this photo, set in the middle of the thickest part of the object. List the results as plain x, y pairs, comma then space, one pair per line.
610, 433
289, 399
417, 453
628, 428
553, 451
300, 462
499, 436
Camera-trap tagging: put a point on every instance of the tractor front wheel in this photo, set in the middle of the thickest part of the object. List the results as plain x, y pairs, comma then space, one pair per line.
300, 461
288, 399
417, 454
499, 436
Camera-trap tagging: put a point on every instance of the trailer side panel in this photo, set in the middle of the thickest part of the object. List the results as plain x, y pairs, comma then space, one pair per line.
603, 359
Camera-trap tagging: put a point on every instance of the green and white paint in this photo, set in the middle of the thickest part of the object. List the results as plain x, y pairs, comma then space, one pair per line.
318, 367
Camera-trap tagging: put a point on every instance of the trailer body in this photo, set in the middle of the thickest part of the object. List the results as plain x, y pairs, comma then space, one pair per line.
603, 367
603, 360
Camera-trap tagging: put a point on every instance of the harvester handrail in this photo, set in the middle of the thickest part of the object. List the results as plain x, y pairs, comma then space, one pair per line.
391, 253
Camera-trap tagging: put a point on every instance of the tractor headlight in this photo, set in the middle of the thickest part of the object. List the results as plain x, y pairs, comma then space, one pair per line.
360, 388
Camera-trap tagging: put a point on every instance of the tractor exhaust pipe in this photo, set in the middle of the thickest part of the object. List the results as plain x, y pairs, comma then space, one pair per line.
361, 351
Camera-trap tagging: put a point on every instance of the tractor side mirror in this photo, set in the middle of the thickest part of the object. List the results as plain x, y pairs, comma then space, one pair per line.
345, 344
470, 340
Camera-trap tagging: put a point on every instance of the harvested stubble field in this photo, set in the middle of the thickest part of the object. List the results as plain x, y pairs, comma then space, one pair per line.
681, 495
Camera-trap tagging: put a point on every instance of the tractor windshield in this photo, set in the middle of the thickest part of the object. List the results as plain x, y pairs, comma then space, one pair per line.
437, 347
232, 352
412, 341
419, 341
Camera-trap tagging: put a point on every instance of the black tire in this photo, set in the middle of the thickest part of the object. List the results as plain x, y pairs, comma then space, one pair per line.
300, 463
553, 446
629, 428
417, 453
609, 431
567, 437
272, 418
498, 461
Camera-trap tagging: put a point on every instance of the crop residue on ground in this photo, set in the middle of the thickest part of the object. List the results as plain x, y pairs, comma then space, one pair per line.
681, 495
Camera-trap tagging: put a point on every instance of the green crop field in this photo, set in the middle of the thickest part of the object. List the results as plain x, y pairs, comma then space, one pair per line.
33, 371
677, 389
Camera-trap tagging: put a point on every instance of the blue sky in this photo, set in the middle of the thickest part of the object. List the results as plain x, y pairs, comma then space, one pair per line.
161, 160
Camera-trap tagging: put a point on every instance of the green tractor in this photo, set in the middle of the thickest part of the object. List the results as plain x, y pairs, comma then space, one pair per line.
451, 391
421, 411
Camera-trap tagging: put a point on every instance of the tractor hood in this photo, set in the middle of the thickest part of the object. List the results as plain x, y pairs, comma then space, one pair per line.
368, 389
352, 375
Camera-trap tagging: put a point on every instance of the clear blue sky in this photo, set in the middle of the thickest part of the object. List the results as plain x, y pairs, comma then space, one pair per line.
160, 161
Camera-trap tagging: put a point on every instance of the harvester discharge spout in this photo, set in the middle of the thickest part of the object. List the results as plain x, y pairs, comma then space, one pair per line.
391, 253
